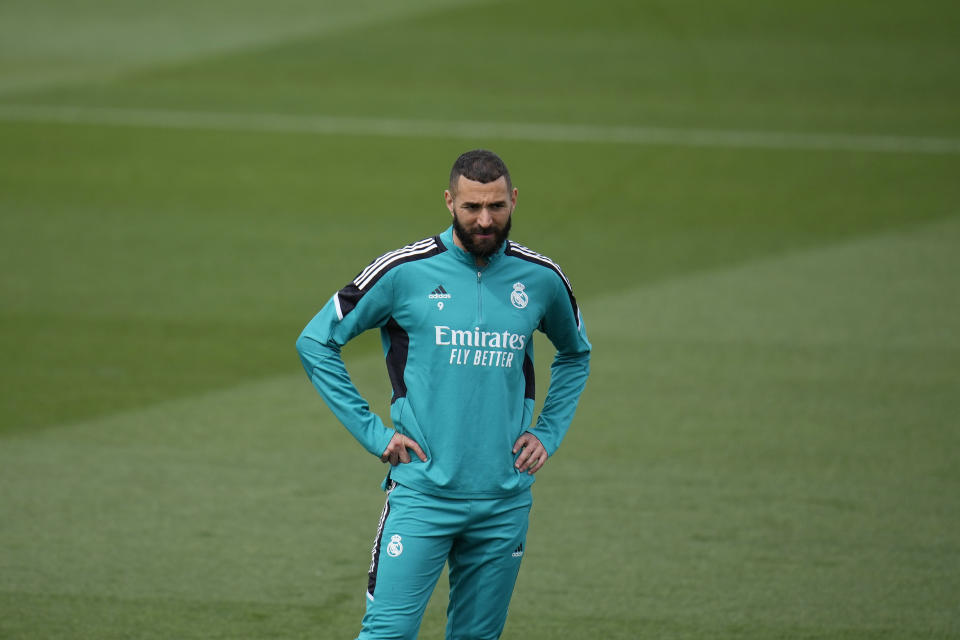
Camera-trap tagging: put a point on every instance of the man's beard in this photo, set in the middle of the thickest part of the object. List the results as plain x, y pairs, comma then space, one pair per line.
482, 248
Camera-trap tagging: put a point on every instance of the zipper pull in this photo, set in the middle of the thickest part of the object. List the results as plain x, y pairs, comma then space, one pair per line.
479, 298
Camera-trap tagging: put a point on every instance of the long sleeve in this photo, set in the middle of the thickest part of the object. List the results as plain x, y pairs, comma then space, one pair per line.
568, 374
347, 314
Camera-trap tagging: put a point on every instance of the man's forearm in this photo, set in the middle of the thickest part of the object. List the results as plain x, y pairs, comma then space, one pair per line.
329, 376
568, 377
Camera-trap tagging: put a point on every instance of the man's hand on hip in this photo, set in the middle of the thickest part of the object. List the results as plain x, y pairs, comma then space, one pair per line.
532, 456
396, 451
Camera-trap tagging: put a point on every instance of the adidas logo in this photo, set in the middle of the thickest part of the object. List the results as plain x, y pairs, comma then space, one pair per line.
439, 294
519, 551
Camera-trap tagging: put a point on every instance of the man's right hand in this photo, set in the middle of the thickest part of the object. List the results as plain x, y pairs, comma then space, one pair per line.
396, 451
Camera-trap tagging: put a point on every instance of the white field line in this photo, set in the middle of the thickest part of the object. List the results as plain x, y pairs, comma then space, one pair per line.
583, 133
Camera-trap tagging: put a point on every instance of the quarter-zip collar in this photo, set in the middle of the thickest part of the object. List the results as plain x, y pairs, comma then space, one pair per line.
465, 256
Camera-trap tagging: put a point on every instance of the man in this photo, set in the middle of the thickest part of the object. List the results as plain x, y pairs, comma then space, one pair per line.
456, 314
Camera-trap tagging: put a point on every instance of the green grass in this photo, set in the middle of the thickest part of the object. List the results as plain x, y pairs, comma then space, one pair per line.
765, 448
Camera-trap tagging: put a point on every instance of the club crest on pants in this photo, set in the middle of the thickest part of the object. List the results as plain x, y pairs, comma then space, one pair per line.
395, 547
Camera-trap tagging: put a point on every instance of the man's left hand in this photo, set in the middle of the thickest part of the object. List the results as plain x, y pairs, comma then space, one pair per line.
532, 456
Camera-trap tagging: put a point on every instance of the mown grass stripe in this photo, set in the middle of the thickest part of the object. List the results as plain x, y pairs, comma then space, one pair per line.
539, 132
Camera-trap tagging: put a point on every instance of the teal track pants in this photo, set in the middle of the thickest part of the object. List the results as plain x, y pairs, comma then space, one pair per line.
482, 539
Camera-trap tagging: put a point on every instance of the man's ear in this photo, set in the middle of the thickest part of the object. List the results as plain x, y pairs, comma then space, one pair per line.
448, 198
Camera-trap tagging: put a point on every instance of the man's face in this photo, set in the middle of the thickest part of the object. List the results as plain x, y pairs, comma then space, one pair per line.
481, 214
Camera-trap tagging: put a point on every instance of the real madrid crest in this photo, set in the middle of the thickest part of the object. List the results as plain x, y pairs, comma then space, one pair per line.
395, 548
518, 296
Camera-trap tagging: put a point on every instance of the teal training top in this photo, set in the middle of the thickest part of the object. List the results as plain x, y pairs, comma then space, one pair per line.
458, 341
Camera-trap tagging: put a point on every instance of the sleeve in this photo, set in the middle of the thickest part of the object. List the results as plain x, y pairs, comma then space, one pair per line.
350, 312
563, 325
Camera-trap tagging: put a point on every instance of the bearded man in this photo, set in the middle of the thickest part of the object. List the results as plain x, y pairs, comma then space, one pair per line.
456, 313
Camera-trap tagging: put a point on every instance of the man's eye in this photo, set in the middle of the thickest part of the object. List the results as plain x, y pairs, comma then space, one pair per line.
471, 207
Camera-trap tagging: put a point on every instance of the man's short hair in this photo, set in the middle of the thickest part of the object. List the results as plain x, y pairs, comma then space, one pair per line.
479, 165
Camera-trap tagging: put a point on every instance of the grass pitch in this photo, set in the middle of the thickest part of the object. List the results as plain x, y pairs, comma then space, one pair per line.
766, 447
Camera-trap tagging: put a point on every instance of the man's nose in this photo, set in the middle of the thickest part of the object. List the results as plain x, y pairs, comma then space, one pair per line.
485, 219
